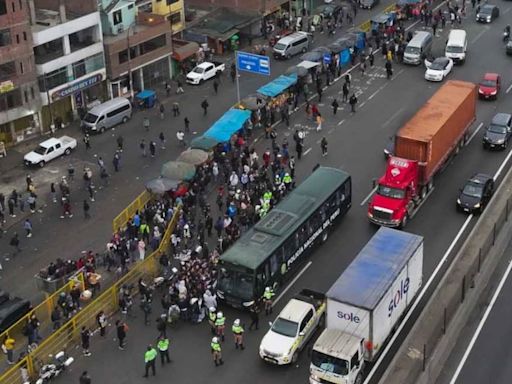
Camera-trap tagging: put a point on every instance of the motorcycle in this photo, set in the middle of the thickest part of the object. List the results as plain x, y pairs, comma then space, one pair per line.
506, 36
61, 361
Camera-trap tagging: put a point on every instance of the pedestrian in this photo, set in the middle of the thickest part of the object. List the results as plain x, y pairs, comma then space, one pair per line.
161, 137
152, 148
86, 208
29, 182
346, 88
167, 89
268, 296
104, 177
238, 333
101, 163
145, 123
353, 102
163, 348
28, 227
31, 200
142, 147
15, 243
90, 190
298, 148
175, 109
319, 120
215, 86
101, 320
216, 351
56, 317
149, 360
323, 146
8, 349
319, 91
180, 135
85, 378
71, 172
362, 66
162, 111
116, 161
179, 87
335, 106
254, 313
121, 329
120, 141
291, 165
389, 69
66, 208
205, 106
371, 58
11, 204
220, 323
87, 142
85, 336
187, 124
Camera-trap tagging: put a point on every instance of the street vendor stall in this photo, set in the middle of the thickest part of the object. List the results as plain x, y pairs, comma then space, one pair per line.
229, 123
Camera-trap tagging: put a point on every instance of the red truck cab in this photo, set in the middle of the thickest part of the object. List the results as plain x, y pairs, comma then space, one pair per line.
396, 192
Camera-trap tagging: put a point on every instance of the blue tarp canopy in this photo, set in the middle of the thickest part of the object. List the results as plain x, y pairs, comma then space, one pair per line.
145, 94
278, 85
232, 121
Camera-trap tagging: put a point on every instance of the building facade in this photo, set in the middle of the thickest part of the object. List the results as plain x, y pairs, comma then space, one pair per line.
68, 50
19, 94
264, 7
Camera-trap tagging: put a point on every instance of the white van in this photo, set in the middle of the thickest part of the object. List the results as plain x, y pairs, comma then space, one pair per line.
418, 48
106, 115
456, 45
291, 45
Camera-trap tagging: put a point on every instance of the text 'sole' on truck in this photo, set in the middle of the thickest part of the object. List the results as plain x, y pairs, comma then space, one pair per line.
437, 131
365, 304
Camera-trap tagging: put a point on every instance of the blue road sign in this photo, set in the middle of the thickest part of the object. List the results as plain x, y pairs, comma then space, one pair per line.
327, 58
250, 62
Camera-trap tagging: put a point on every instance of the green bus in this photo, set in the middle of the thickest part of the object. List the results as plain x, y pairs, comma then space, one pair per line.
270, 252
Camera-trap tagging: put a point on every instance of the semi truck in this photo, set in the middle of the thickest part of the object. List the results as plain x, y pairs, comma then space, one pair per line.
365, 304
422, 146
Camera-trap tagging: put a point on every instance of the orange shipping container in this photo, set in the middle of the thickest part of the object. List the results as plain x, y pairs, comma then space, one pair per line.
438, 127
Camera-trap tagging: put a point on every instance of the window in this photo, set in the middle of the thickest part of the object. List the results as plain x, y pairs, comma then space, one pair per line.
305, 320
169, 2
7, 70
5, 37
130, 6
17, 39
24, 35
274, 263
13, 8
175, 18
117, 16
25, 93
21, 67
9, 100
3, 7
151, 45
118, 110
32, 92
354, 361
50, 150
57, 146
21, 4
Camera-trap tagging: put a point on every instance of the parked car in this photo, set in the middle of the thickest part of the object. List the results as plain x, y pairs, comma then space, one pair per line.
50, 149
438, 69
476, 193
487, 13
205, 71
107, 115
11, 310
498, 132
490, 86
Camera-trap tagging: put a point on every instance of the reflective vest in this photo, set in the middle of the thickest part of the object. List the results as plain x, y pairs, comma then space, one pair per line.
267, 196
212, 316
237, 329
287, 179
268, 295
215, 347
150, 355
219, 322
163, 345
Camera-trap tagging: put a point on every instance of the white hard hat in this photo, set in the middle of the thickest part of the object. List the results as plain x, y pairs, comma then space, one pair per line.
267, 289
237, 322
215, 340
212, 309
219, 314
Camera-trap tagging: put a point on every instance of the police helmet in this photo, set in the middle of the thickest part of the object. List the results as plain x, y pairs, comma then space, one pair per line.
215, 340
219, 314
237, 322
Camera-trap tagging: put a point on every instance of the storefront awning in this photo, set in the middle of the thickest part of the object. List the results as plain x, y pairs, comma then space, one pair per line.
278, 85
232, 121
308, 64
185, 51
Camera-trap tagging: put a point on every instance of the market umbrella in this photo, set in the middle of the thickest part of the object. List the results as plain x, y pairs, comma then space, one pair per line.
161, 185
178, 170
253, 102
312, 56
300, 71
322, 50
203, 142
335, 47
193, 156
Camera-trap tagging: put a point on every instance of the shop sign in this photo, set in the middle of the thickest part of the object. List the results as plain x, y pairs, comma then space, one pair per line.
77, 87
6, 86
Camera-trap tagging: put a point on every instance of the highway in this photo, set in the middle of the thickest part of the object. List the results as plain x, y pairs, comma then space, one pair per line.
355, 144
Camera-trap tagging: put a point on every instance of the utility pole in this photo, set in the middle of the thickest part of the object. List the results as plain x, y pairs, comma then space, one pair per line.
172, 44
130, 77
52, 125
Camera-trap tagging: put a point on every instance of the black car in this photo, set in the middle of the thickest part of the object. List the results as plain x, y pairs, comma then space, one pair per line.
368, 4
498, 132
487, 13
11, 310
476, 193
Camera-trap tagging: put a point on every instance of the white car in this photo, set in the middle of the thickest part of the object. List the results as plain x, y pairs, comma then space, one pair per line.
438, 69
50, 149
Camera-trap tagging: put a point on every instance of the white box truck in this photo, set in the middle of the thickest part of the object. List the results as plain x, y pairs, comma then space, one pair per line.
365, 304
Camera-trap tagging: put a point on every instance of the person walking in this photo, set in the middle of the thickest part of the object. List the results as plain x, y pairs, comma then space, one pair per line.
121, 329
85, 378
323, 146
215, 86
353, 102
238, 333
145, 123
152, 148
90, 190
268, 296
175, 109
179, 87
87, 142
116, 161
163, 349
162, 111
216, 351
220, 324
86, 207
120, 142
319, 121
254, 313
101, 320
8, 349
85, 337
56, 318
186, 121
142, 147
180, 135
389, 69
345, 90
27, 225
149, 360
15, 243
161, 137
371, 59
205, 106
334, 106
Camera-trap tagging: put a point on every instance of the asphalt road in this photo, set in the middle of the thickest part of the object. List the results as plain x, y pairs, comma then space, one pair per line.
355, 145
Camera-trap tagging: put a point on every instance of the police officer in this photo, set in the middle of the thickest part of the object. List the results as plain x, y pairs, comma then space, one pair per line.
149, 360
220, 324
287, 180
212, 316
216, 352
163, 348
238, 332
267, 300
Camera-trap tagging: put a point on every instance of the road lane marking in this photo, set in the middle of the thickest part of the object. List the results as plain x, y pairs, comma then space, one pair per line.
373, 94
307, 151
509, 88
368, 197
481, 324
500, 169
479, 35
292, 282
362, 104
418, 299
393, 117
341, 122
474, 133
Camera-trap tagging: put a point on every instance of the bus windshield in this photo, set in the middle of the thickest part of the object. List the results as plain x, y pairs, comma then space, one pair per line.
329, 363
236, 283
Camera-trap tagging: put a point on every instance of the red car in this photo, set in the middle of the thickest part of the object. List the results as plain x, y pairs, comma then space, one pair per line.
489, 86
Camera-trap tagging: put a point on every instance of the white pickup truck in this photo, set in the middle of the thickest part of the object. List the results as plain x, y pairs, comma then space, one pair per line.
204, 71
293, 327
49, 150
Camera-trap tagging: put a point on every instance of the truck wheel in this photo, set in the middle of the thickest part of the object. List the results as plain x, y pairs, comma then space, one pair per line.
102, 130
41, 164
125, 119
423, 192
359, 379
404, 221
67, 151
430, 185
295, 357
325, 236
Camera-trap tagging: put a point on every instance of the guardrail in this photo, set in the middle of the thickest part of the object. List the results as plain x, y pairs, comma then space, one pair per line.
135, 206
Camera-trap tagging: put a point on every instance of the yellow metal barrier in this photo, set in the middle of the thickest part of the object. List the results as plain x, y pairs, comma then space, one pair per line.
136, 205
68, 335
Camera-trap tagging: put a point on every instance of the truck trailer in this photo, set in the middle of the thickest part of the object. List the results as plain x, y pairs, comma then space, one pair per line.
422, 146
365, 304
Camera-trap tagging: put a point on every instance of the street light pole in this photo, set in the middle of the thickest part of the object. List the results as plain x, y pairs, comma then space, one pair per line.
172, 45
237, 75
130, 77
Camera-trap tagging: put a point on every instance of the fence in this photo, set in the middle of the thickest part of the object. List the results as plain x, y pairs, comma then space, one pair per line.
68, 335
134, 207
